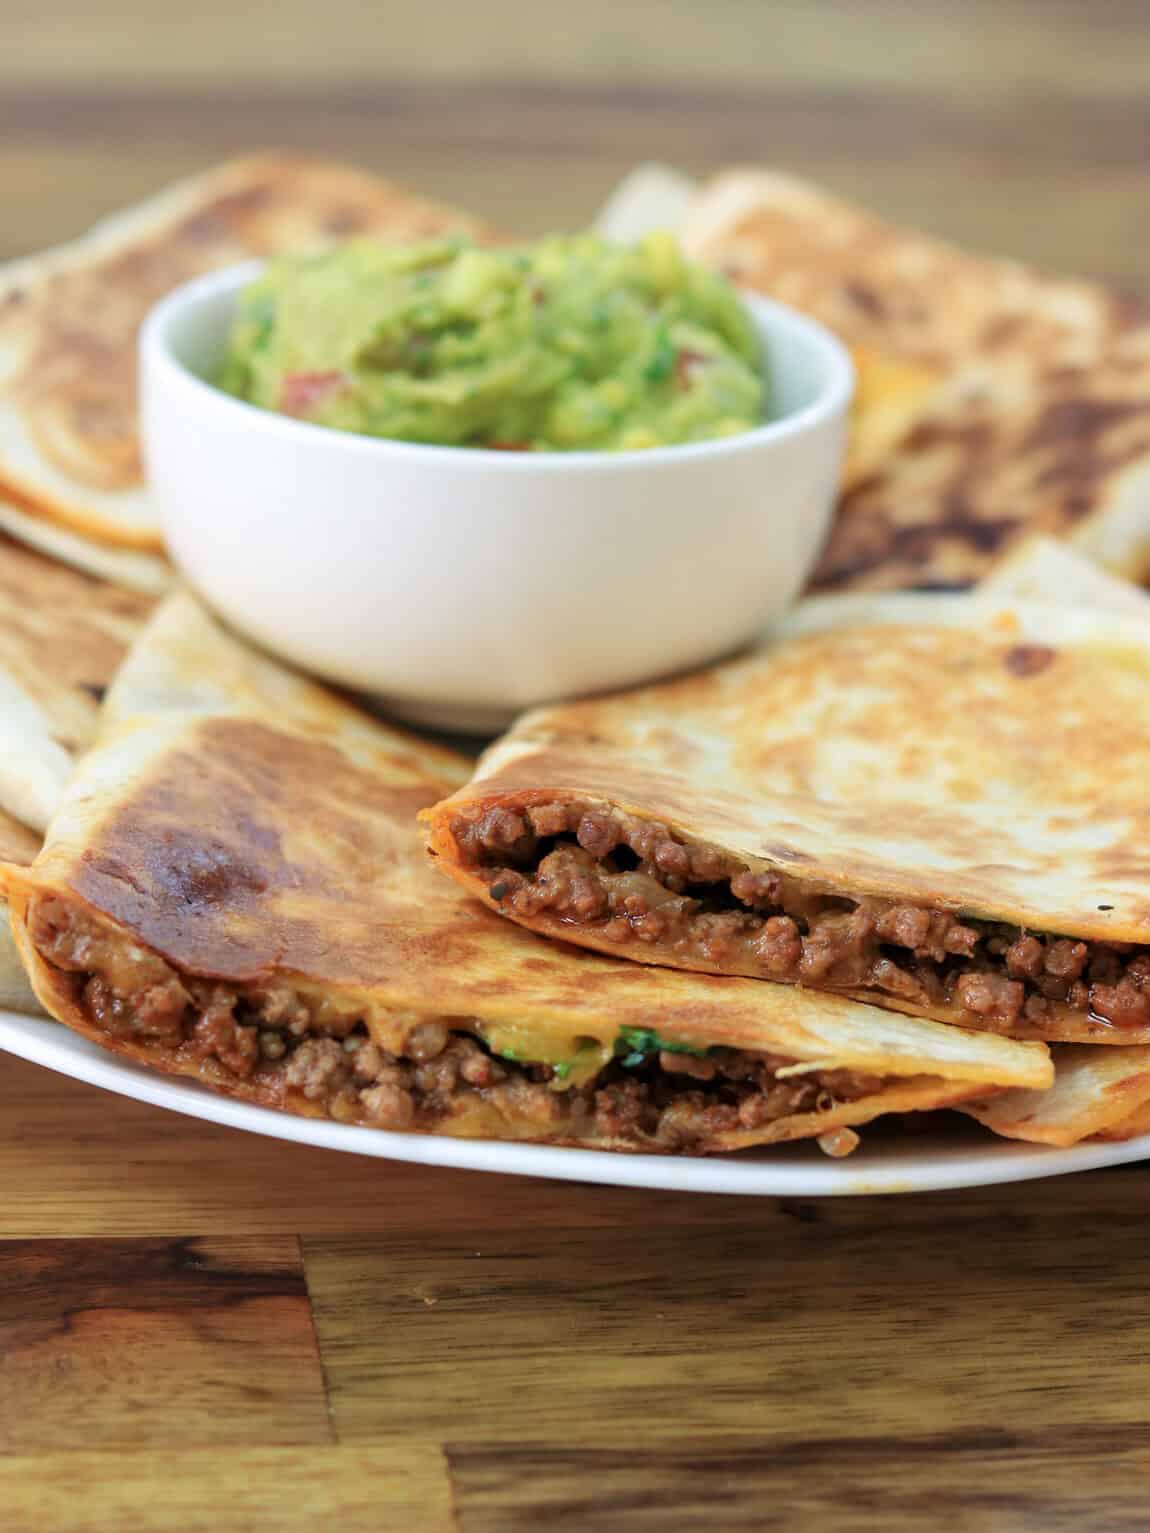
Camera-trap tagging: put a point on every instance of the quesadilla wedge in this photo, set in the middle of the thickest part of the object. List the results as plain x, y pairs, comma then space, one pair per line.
891, 397
131, 568
1041, 420
235, 890
1097, 1094
69, 449
62, 636
884, 287
937, 804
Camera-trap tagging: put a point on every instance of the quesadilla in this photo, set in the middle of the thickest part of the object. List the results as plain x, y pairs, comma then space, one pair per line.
1041, 420
883, 287
69, 450
1040, 569
235, 890
17, 844
62, 635
1097, 1094
131, 568
936, 804
891, 396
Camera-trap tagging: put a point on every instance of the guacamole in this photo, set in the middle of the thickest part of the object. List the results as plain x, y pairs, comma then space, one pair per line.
567, 344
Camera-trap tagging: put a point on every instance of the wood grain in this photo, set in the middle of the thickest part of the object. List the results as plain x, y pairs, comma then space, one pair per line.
148, 1343
993, 1482
397, 1488
840, 1320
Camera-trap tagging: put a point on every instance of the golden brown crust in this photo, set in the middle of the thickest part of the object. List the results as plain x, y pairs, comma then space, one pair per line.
987, 759
244, 834
68, 320
1042, 421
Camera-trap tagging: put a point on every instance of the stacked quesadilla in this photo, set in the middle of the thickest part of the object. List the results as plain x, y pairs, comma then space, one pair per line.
235, 889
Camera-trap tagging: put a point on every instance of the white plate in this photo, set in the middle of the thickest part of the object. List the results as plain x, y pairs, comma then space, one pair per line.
916, 1163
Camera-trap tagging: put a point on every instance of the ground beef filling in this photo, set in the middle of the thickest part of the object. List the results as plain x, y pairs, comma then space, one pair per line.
278, 1039
635, 884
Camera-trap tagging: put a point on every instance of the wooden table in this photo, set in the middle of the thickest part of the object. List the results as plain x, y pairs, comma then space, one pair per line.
200, 1330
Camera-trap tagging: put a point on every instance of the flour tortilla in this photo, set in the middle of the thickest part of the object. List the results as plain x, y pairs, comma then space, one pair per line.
62, 636
1097, 1094
130, 568
649, 198
258, 833
1041, 420
20, 845
69, 451
1041, 569
985, 758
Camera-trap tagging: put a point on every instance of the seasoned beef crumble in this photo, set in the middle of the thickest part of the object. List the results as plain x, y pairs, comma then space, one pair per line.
634, 883
291, 1044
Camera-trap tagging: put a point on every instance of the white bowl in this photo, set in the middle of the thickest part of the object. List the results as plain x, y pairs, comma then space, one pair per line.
462, 584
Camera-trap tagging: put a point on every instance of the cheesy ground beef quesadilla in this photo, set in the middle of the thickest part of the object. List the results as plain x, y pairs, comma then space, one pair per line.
1098, 1093
932, 803
1041, 420
69, 447
236, 890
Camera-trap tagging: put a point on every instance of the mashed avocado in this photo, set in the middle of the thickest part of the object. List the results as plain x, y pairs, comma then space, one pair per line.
571, 343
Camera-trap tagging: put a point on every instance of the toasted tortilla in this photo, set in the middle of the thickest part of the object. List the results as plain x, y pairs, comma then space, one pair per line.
983, 761
62, 636
20, 845
649, 198
891, 397
1041, 421
1097, 1094
130, 568
242, 845
69, 449
1040, 569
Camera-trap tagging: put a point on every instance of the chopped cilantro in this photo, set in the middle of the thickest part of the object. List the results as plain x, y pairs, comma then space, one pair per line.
636, 1045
